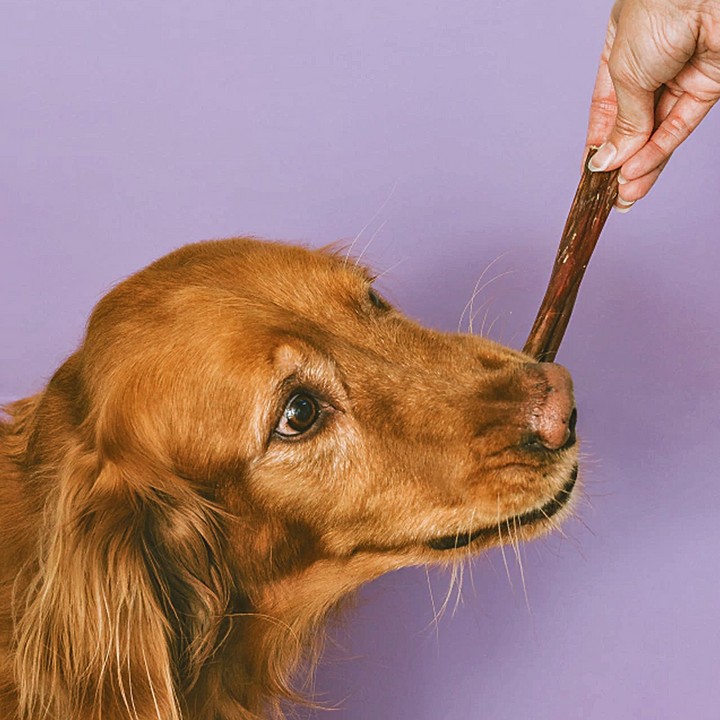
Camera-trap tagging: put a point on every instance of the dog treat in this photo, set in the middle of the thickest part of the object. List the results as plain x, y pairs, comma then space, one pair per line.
591, 206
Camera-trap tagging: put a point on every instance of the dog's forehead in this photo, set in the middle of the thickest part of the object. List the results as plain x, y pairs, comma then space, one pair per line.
299, 279
254, 281
286, 285
258, 262
289, 272
242, 291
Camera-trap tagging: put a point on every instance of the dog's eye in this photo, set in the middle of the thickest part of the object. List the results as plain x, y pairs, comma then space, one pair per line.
376, 300
299, 415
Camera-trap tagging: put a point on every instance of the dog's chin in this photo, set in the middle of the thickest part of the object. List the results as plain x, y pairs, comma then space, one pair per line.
525, 525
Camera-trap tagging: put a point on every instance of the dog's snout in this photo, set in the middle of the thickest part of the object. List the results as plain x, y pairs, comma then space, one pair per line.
553, 414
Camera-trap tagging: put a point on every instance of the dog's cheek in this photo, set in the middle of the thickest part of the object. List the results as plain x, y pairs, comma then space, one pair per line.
322, 481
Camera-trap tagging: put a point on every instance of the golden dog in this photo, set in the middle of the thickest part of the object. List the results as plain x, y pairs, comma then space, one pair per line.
247, 434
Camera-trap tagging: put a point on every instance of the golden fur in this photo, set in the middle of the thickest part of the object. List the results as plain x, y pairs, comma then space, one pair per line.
171, 544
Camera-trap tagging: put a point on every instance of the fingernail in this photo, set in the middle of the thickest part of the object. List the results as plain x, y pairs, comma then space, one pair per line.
623, 206
622, 180
602, 158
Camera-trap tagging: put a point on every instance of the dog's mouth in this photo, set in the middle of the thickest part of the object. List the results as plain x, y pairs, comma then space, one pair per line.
544, 513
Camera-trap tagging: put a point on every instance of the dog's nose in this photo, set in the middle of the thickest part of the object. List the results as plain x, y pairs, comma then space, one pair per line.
553, 413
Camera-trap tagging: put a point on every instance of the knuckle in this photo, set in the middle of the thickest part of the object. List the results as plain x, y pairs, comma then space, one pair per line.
655, 151
632, 192
670, 134
644, 167
605, 109
629, 126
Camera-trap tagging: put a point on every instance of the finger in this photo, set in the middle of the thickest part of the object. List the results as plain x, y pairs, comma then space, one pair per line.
634, 121
665, 100
682, 118
633, 190
603, 105
603, 109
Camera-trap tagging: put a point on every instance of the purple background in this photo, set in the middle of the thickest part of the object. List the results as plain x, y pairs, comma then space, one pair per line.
126, 132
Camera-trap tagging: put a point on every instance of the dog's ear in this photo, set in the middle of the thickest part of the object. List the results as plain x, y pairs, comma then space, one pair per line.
129, 595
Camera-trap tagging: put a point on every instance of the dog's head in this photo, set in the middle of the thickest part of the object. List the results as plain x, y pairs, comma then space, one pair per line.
254, 421
278, 381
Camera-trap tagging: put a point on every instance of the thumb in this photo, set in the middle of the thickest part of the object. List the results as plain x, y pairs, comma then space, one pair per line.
634, 121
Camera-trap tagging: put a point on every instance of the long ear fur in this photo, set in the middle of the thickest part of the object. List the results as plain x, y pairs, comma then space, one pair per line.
128, 600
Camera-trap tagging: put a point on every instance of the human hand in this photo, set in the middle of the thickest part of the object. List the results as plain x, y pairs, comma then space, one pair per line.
659, 76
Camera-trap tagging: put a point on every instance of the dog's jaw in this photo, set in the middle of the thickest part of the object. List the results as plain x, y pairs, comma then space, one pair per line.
531, 523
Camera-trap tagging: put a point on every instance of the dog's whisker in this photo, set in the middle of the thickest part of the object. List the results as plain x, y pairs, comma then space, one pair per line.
473, 314
472, 574
458, 594
577, 546
448, 593
512, 533
492, 325
485, 304
390, 269
359, 258
518, 556
465, 561
579, 518
436, 616
587, 499
369, 222
554, 524
484, 321
476, 290
502, 546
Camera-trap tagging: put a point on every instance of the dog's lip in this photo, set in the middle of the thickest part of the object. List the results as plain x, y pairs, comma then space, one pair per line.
545, 512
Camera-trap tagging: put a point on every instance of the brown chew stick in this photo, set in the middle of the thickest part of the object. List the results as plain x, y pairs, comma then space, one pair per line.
593, 201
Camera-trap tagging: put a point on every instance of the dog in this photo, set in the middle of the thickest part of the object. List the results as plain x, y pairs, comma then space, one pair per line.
248, 433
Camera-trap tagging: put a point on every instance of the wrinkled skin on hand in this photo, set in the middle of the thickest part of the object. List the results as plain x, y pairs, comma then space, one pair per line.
659, 76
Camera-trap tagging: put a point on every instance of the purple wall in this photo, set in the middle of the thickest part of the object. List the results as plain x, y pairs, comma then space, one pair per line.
126, 133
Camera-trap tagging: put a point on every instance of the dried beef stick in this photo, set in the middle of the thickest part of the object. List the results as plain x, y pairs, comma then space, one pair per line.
593, 201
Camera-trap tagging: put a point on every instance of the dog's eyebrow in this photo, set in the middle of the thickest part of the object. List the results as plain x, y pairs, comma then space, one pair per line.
341, 255
364, 273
